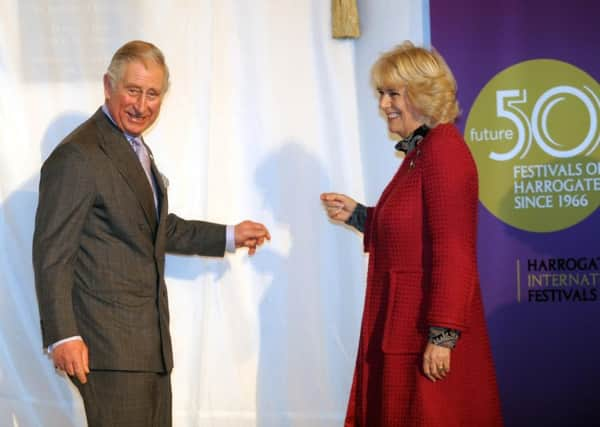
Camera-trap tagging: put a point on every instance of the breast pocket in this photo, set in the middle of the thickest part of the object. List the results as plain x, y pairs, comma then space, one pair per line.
405, 330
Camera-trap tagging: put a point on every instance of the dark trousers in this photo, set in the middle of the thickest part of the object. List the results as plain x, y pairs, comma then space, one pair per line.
126, 399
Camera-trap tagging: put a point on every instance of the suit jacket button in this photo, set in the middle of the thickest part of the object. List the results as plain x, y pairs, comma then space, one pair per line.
412, 164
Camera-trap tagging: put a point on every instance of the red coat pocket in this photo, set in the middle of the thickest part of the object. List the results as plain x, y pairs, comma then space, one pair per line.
405, 330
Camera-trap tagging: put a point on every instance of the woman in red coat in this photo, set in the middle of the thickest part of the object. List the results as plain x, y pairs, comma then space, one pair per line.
424, 357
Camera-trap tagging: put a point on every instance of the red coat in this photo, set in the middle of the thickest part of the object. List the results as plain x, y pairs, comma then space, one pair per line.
421, 238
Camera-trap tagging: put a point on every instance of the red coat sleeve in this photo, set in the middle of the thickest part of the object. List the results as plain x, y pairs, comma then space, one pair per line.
450, 200
367, 231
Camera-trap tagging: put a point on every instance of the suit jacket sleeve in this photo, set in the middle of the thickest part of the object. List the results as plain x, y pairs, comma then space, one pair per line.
195, 237
66, 195
450, 216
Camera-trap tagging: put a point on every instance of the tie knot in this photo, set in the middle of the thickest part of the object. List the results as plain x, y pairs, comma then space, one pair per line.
140, 150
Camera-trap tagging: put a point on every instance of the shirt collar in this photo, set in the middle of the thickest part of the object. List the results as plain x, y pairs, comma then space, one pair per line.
129, 137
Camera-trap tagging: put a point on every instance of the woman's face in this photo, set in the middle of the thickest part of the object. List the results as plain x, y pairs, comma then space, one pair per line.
398, 111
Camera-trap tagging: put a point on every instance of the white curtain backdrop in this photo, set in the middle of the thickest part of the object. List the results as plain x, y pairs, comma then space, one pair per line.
262, 116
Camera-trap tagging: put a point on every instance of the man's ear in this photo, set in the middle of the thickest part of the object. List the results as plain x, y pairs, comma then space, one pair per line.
108, 89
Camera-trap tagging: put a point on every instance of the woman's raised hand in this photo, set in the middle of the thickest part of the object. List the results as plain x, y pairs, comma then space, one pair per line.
339, 206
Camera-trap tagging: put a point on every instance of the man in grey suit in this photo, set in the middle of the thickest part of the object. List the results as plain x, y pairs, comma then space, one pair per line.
102, 229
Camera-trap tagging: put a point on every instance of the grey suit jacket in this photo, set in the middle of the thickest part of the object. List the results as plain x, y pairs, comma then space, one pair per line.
99, 250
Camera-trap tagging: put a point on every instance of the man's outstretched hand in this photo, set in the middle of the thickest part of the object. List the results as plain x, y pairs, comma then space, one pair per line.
250, 234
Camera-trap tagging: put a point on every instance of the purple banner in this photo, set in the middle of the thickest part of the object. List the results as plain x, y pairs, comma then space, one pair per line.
527, 74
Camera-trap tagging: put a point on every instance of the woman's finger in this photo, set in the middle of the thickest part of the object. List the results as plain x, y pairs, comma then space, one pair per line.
427, 369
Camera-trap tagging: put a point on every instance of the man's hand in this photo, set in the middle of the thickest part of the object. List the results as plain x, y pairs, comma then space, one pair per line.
339, 206
72, 357
436, 362
250, 234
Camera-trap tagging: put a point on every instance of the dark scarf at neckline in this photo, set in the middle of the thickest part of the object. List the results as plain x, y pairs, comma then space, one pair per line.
410, 142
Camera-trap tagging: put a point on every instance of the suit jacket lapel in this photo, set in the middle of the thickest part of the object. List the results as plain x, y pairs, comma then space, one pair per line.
163, 206
117, 148
161, 186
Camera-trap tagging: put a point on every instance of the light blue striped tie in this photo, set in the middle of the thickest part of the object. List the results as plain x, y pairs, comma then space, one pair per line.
142, 154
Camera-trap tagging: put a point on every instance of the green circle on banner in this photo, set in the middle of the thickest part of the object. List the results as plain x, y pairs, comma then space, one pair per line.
534, 131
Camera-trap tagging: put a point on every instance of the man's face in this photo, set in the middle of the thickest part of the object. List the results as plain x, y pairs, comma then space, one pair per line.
134, 102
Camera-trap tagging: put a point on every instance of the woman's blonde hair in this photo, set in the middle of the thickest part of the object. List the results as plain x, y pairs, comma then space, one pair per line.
429, 83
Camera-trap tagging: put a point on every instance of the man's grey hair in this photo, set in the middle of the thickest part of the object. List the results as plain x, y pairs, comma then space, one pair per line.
136, 50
